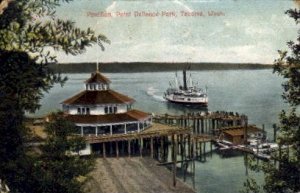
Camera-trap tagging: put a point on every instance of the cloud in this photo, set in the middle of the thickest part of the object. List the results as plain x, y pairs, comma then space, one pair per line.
183, 5
162, 51
111, 7
217, 32
240, 36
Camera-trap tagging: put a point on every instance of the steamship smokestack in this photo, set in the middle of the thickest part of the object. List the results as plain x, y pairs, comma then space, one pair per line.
184, 80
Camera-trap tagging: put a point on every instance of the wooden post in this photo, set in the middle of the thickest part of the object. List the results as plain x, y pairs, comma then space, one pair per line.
151, 147
141, 147
211, 148
189, 146
110, 148
246, 163
246, 131
213, 126
193, 160
202, 125
194, 125
206, 125
204, 150
197, 148
129, 148
174, 155
181, 150
201, 152
104, 149
117, 149
176, 146
123, 147
198, 126
161, 155
182, 145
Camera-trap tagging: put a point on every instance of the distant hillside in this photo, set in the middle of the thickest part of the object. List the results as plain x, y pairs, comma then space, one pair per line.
150, 67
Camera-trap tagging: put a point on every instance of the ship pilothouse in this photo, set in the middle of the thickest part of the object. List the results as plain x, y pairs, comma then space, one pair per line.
186, 93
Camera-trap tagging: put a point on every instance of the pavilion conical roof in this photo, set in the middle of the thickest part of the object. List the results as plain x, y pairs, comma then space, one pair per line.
97, 77
98, 97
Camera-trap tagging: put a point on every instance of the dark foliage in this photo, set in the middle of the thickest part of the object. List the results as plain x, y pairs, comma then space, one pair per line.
29, 32
282, 174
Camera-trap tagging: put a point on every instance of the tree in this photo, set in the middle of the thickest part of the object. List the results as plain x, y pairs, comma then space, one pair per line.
59, 171
283, 175
30, 32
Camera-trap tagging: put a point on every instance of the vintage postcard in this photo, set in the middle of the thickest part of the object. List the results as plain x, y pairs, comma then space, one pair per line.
169, 95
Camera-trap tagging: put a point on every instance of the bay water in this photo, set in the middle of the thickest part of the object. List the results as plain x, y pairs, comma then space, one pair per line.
255, 93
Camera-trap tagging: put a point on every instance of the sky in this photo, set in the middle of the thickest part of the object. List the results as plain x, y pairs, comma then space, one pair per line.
240, 31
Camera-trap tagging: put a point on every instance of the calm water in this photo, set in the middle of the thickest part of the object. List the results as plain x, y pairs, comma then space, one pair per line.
256, 93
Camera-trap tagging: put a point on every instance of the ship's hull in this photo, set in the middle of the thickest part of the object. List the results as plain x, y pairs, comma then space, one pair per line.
203, 101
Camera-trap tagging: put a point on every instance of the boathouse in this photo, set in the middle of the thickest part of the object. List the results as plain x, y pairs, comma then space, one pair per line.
236, 135
100, 111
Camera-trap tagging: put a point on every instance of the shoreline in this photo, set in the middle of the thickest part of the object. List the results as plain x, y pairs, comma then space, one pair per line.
123, 67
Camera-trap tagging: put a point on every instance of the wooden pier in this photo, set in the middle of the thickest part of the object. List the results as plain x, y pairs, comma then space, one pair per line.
188, 135
171, 139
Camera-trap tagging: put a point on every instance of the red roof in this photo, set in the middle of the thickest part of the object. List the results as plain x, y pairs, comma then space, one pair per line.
97, 77
92, 97
132, 115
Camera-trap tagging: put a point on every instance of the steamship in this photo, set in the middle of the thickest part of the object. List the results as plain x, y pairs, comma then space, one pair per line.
188, 93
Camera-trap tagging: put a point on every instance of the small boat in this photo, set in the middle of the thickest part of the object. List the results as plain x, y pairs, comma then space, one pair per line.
263, 150
186, 94
264, 156
224, 145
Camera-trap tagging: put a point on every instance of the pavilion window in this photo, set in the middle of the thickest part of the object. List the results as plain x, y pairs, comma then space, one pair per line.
110, 110
141, 125
131, 127
89, 130
105, 110
118, 129
83, 110
115, 109
94, 87
104, 130
91, 87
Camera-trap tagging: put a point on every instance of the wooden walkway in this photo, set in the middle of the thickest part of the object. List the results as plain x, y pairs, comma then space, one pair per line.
156, 130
